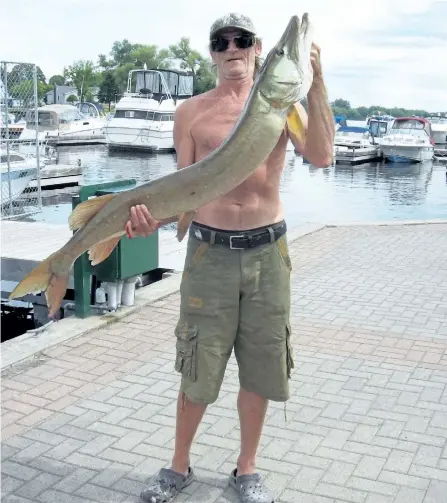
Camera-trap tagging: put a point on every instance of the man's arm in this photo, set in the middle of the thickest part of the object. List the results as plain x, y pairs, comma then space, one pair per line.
183, 141
319, 124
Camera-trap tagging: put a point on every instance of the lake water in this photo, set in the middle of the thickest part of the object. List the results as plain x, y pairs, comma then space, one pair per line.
337, 194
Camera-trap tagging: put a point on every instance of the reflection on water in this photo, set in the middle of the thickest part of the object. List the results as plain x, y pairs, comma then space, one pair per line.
340, 193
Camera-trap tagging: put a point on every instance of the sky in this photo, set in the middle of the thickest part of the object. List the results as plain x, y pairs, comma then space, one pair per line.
375, 52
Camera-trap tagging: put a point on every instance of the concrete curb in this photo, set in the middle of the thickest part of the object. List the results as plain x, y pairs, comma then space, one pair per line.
385, 223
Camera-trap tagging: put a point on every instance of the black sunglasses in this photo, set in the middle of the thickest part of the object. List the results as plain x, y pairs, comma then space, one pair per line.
220, 43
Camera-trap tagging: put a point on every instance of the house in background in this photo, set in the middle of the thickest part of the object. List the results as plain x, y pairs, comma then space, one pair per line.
59, 94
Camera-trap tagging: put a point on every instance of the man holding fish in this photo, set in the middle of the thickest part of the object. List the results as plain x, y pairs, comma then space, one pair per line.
235, 291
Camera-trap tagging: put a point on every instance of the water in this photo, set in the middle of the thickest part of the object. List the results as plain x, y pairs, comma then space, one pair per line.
337, 194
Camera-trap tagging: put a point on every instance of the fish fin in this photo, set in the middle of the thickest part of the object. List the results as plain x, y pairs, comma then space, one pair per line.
43, 279
86, 210
100, 251
184, 221
295, 124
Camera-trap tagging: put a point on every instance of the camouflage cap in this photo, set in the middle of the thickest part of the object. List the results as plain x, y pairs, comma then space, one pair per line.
232, 20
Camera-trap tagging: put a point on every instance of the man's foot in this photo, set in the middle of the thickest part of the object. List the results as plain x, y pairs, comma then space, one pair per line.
250, 488
166, 485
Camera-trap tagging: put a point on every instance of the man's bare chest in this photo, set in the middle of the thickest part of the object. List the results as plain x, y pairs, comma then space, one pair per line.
213, 125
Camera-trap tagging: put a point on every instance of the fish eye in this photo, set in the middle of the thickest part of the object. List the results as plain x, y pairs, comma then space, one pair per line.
280, 52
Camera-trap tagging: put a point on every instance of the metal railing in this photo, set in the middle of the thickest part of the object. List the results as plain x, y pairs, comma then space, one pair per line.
20, 148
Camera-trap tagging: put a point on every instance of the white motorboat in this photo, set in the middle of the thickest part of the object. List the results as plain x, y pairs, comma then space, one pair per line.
144, 116
438, 123
379, 125
17, 171
349, 137
410, 139
354, 143
64, 123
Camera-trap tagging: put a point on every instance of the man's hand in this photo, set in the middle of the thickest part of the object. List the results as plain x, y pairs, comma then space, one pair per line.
141, 222
316, 61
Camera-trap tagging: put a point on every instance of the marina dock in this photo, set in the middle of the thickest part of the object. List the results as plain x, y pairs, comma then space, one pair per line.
358, 155
91, 416
34, 241
58, 176
74, 140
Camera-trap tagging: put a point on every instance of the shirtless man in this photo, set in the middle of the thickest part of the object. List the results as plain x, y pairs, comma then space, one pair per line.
235, 291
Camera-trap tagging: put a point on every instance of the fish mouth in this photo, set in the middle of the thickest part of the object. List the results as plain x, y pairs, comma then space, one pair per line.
292, 36
290, 39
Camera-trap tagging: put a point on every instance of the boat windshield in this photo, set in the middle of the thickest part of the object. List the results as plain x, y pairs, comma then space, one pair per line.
408, 124
418, 133
70, 116
49, 119
356, 134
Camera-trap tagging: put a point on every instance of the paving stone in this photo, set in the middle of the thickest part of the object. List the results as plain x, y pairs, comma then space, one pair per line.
9, 484
18, 471
436, 492
367, 417
369, 467
65, 448
72, 482
34, 487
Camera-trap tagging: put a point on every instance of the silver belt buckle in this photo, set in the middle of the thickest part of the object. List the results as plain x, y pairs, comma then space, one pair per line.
231, 242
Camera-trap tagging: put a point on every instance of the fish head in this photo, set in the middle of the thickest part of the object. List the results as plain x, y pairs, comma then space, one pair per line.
286, 74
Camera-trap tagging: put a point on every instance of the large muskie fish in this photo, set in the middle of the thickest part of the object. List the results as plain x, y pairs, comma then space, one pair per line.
284, 79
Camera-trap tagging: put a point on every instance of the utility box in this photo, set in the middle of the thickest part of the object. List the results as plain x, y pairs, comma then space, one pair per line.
130, 257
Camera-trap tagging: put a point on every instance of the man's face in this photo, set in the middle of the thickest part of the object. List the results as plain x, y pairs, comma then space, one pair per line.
234, 52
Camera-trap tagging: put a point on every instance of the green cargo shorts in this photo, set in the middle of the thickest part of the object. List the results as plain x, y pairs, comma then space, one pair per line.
235, 299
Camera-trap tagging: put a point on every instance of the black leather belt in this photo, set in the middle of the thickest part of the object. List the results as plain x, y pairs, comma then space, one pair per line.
238, 240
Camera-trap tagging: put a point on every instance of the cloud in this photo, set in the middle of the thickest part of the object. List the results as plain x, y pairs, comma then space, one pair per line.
388, 52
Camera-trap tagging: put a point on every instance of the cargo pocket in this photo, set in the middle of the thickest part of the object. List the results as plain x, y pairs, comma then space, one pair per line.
195, 253
283, 250
289, 351
186, 351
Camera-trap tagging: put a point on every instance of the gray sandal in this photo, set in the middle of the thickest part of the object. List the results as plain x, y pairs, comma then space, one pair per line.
166, 485
250, 488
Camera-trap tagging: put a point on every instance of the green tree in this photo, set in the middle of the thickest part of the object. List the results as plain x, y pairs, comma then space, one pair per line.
105, 63
25, 91
205, 78
24, 71
120, 74
341, 103
57, 80
363, 111
72, 98
354, 114
121, 52
340, 111
189, 58
150, 56
82, 75
108, 89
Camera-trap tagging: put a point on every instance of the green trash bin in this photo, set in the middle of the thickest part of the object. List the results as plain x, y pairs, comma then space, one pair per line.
130, 257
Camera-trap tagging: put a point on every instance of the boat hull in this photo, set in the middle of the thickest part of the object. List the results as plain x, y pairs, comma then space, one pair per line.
407, 153
142, 137
15, 181
440, 137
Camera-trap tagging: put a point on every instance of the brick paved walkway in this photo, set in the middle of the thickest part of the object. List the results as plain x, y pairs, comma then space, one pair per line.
93, 418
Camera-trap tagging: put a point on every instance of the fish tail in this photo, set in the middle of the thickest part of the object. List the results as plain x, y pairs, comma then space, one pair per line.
43, 279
